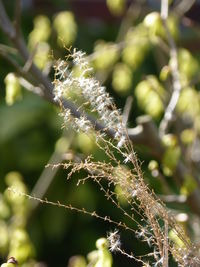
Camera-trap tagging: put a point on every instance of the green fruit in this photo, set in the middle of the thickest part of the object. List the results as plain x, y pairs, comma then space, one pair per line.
189, 185
13, 177
148, 94
188, 136
171, 157
105, 55
164, 73
169, 140
23, 253
8, 265
85, 142
153, 165
116, 7
13, 89
41, 31
189, 95
65, 25
41, 57
188, 65
104, 255
122, 78
153, 22
77, 261
102, 243
134, 53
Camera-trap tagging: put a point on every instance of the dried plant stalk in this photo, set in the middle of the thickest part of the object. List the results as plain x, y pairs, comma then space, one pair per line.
153, 219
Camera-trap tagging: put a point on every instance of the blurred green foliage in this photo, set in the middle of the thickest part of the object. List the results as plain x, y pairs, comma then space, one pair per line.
14, 212
31, 128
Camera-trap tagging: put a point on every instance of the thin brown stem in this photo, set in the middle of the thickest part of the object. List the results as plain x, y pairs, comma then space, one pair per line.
17, 21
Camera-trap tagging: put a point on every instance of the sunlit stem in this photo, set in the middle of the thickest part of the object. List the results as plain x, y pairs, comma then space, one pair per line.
164, 9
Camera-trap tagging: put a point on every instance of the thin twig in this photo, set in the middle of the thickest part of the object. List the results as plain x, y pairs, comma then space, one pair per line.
166, 246
17, 21
176, 84
29, 62
72, 208
127, 110
164, 9
25, 79
173, 198
30, 87
8, 49
5, 22
182, 7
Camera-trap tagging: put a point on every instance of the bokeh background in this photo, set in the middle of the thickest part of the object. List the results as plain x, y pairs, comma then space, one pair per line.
30, 128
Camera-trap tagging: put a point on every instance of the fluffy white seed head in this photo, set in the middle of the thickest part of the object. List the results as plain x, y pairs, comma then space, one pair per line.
91, 93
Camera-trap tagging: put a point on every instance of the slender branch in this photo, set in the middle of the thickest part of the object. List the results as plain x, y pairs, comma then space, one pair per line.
127, 110
26, 80
29, 62
176, 84
166, 246
8, 58
173, 198
164, 9
8, 49
30, 87
182, 7
5, 22
17, 21
146, 133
